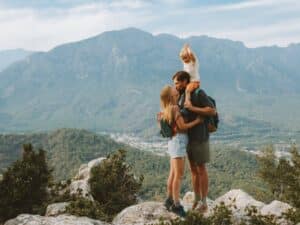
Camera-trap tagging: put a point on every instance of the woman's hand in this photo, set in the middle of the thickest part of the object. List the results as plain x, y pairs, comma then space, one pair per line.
199, 119
159, 116
188, 105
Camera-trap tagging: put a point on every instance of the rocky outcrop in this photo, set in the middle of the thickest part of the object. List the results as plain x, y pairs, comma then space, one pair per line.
142, 214
146, 212
275, 208
238, 201
80, 182
56, 209
26, 219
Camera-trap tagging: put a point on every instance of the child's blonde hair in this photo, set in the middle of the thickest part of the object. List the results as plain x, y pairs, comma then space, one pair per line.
186, 54
166, 103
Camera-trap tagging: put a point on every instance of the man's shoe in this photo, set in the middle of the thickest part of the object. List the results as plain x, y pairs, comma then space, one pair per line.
179, 210
168, 203
203, 208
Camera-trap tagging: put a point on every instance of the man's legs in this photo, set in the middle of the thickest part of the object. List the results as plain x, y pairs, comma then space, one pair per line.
200, 182
195, 183
203, 184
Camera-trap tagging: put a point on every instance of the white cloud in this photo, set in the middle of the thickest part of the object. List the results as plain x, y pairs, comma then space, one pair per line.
255, 22
42, 30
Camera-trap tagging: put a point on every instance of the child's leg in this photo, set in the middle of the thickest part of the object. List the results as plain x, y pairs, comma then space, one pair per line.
187, 97
189, 89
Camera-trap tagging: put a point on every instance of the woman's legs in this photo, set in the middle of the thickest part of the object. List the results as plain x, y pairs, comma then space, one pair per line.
178, 166
170, 181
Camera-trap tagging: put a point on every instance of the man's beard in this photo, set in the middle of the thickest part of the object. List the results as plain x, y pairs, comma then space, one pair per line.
181, 91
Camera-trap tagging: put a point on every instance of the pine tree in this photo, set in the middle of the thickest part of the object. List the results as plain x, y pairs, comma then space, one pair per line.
113, 184
23, 188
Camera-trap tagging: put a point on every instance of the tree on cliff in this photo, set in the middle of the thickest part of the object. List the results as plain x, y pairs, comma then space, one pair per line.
283, 177
23, 188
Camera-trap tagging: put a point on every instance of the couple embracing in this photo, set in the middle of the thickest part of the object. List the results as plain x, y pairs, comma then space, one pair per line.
185, 106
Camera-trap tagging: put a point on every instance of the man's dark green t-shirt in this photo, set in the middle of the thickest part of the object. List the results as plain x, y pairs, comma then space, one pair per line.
198, 133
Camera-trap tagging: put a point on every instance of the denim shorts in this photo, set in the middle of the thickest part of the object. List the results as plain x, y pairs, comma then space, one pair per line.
177, 145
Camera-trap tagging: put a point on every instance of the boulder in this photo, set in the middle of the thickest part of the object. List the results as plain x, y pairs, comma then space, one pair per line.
80, 181
56, 209
95, 162
82, 187
142, 214
240, 199
26, 219
83, 172
275, 208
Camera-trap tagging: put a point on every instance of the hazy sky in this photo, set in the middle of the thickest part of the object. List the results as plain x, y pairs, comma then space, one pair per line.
43, 24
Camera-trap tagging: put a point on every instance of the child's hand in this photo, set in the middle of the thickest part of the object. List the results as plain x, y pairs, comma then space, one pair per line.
186, 46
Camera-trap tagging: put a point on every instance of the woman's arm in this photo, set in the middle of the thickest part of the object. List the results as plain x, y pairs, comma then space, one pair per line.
185, 126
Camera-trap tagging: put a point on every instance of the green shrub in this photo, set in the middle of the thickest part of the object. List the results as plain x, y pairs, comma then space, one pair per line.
282, 175
23, 188
113, 187
83, 207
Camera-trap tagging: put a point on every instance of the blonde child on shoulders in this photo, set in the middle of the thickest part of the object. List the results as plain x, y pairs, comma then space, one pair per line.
190, 65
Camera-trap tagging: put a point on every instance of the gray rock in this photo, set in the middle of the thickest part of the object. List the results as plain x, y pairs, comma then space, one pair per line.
83, 172
56, 209
95, 162
26, 219
83, 187
80, 181
142, 214
275, 208
240, 199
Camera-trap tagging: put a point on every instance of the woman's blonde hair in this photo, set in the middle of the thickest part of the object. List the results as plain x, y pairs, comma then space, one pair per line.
166, 103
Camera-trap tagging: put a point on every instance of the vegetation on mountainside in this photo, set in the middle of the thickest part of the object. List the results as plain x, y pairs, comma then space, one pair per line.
283, 178
67, 149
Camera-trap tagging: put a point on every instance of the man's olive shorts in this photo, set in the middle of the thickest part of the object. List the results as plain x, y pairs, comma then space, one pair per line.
197, 152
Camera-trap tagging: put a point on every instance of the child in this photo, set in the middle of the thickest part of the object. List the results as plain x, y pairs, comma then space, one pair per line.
190, 65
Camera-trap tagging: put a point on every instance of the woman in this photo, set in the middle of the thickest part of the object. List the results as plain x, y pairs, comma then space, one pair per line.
176, 146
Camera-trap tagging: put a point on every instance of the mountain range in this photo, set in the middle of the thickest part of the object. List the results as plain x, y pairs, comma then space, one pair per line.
8, 57
112, 82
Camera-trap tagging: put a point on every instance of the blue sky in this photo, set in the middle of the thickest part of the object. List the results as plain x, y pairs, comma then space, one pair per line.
43, 24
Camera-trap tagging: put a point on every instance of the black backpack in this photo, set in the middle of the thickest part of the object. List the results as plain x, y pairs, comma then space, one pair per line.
166, 129
211, 121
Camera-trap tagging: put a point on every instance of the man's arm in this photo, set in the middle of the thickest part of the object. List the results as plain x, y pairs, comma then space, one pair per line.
202, 111
207, 109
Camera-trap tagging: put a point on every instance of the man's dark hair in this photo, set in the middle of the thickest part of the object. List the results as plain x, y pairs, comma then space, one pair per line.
182, 76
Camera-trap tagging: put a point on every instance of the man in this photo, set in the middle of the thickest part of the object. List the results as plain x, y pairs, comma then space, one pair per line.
198, 145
